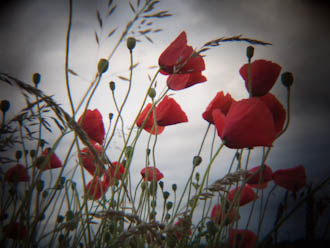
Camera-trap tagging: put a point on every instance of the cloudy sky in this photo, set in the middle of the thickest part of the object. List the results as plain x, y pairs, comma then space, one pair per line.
33, 40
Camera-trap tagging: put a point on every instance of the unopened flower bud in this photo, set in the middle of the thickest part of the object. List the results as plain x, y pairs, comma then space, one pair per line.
197, 176
197, 160
152, 93
161, 184
287, 79
131, 42
110, 116
103, 66
169, 205
174, 187
166, 194
18, 155
4, 105
36, 79
112, 85
249, 52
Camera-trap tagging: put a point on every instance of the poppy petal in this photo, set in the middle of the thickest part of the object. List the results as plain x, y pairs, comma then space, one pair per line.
169, 112
292, 179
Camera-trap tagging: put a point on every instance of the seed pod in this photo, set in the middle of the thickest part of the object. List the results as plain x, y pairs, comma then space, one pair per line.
131, 42
4, 106
287, 79
36, 78
152, 93
112, 85
249, 52
102, 66
197, 160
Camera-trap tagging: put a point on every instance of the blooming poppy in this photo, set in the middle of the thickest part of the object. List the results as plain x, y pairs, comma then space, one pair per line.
151, 173
247, 195
242, 238
95, 189
149, 124
183, 81
248, 123
114, 169
263, 76
184, 227
292, 179
277, 109
15, 231
220, 101
169, 112
54, 162
261, 179
92, 123
88, 159
180, 58
18, 173
216, 215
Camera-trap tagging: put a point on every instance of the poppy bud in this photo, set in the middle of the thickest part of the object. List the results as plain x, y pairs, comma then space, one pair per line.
287, 79
4, 106
161, 184
60, 218
168, 216
152, 93
169, 205
197, 160
153, 203
18, 155
197, 176
110, 116
249, 52
112, 85
131, 42
103, 66
166, 194
36, 79
174, 187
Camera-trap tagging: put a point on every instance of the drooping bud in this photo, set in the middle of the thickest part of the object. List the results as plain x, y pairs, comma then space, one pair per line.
110, 116
169, 205
174, 187
4, 106
287, 79
166, 194
36, 79
161, 184
18, 154
152, 93
249, 52
197, 160
112, 85
131, 42
102, 66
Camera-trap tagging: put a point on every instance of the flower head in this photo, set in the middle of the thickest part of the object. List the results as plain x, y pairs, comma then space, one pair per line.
54, 162
248, 123
151, 173
114, 171
221, 102
216, 215
149, 123
242, 238
261, 179
263, 76
247, 195
92, 123
88, 160
95, 189
292, 179
18, 173
183, 81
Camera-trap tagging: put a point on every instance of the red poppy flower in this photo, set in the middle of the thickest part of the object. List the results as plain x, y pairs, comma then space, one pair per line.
220, 101
151, 173
95, 189
15, 231
242, 238
114, 169
92, 123
277, 109
263, 76
88, 160
185, 229
248, 123
169, 112
16, 174
149, 124
264, 176
216, 215
183, 81
54, 162
292, 179
247, 195
178, 57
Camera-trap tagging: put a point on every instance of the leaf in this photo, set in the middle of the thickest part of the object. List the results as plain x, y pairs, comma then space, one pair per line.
149, 39
131, 5
150, 6
99, 19
96, 38
72, 72
145, 31
153, 67
123, 78
112, 10
133, 66
112, 32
